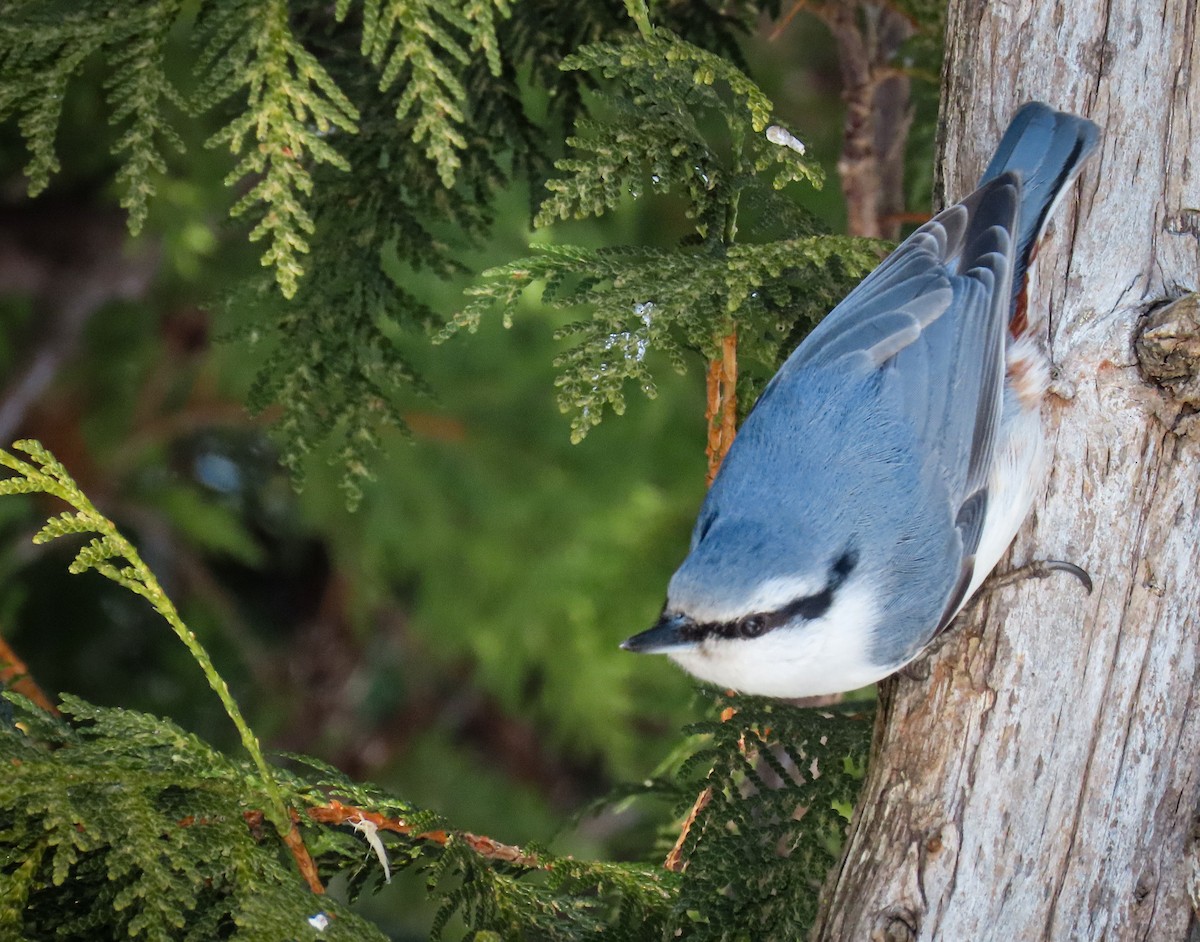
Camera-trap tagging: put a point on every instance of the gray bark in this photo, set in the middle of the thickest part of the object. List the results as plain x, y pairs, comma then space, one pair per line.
1038, 775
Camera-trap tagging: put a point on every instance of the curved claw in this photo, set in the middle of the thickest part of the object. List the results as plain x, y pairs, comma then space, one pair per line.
1061, 565
1042, 569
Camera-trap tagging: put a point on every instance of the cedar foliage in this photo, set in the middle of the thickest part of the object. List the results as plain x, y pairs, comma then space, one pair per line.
115, 824
679, 119
373, 139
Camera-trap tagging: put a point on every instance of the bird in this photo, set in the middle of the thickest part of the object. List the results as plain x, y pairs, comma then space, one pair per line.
889, 463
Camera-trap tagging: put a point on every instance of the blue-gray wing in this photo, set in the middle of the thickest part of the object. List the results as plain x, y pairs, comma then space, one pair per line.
931, 320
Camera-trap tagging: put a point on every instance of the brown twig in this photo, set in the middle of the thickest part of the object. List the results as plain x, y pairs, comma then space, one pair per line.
786, 20
256, 821
675, 862
304, 861
337, 813
15, 676
721, 408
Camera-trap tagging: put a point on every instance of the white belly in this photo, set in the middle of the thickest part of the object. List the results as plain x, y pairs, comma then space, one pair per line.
1018, 468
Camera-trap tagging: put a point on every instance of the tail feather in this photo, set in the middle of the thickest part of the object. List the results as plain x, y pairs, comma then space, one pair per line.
1045, 149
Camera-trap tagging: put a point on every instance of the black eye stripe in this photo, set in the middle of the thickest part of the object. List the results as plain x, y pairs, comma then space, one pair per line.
757, 624
811, 606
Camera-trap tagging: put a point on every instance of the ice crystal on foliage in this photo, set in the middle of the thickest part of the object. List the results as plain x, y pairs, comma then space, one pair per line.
666, 94
785, 138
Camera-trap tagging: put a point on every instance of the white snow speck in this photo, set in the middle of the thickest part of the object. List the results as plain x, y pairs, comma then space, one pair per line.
320, 922
784, 138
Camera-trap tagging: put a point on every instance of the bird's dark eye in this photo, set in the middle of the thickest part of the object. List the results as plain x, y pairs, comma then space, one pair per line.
807, 607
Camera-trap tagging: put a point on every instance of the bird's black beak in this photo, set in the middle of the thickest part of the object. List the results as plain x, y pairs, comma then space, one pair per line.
667, 633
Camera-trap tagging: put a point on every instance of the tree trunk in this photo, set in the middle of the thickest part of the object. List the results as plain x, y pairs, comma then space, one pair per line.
869, 37
1038, 775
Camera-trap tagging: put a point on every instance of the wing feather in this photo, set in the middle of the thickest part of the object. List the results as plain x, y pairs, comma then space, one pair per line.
932, 320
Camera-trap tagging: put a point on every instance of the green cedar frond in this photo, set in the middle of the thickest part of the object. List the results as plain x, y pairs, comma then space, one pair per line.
665, 57
137, 88
293, 107
335, 370
449, 70
42, 49
333, 355
781, 781
114, 824
483, 15
118, 824
46, 475
565, 900
667, 88
651, 129
670, 302
424, 48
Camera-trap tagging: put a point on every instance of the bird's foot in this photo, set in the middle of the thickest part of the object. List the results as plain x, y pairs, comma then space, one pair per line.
1041, 569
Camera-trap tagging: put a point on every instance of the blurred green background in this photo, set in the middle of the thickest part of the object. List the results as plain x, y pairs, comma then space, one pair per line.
455, 638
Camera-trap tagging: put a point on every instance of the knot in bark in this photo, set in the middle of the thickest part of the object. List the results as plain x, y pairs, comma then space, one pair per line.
1167, 345
896, 925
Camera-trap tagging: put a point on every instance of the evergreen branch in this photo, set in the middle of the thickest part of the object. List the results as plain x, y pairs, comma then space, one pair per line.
670, 302
137, 829
136, 89
333, 357
41, 50
483, 17
339, 333
777, 783
654, 127
664, 57
292, 107
424, 47
640, 14
655, 134
46, 475
334, 812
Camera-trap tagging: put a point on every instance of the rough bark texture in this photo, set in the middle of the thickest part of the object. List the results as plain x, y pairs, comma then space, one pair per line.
1038, 775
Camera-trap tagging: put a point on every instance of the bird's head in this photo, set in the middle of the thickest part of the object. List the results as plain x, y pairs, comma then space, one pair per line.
755, 609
